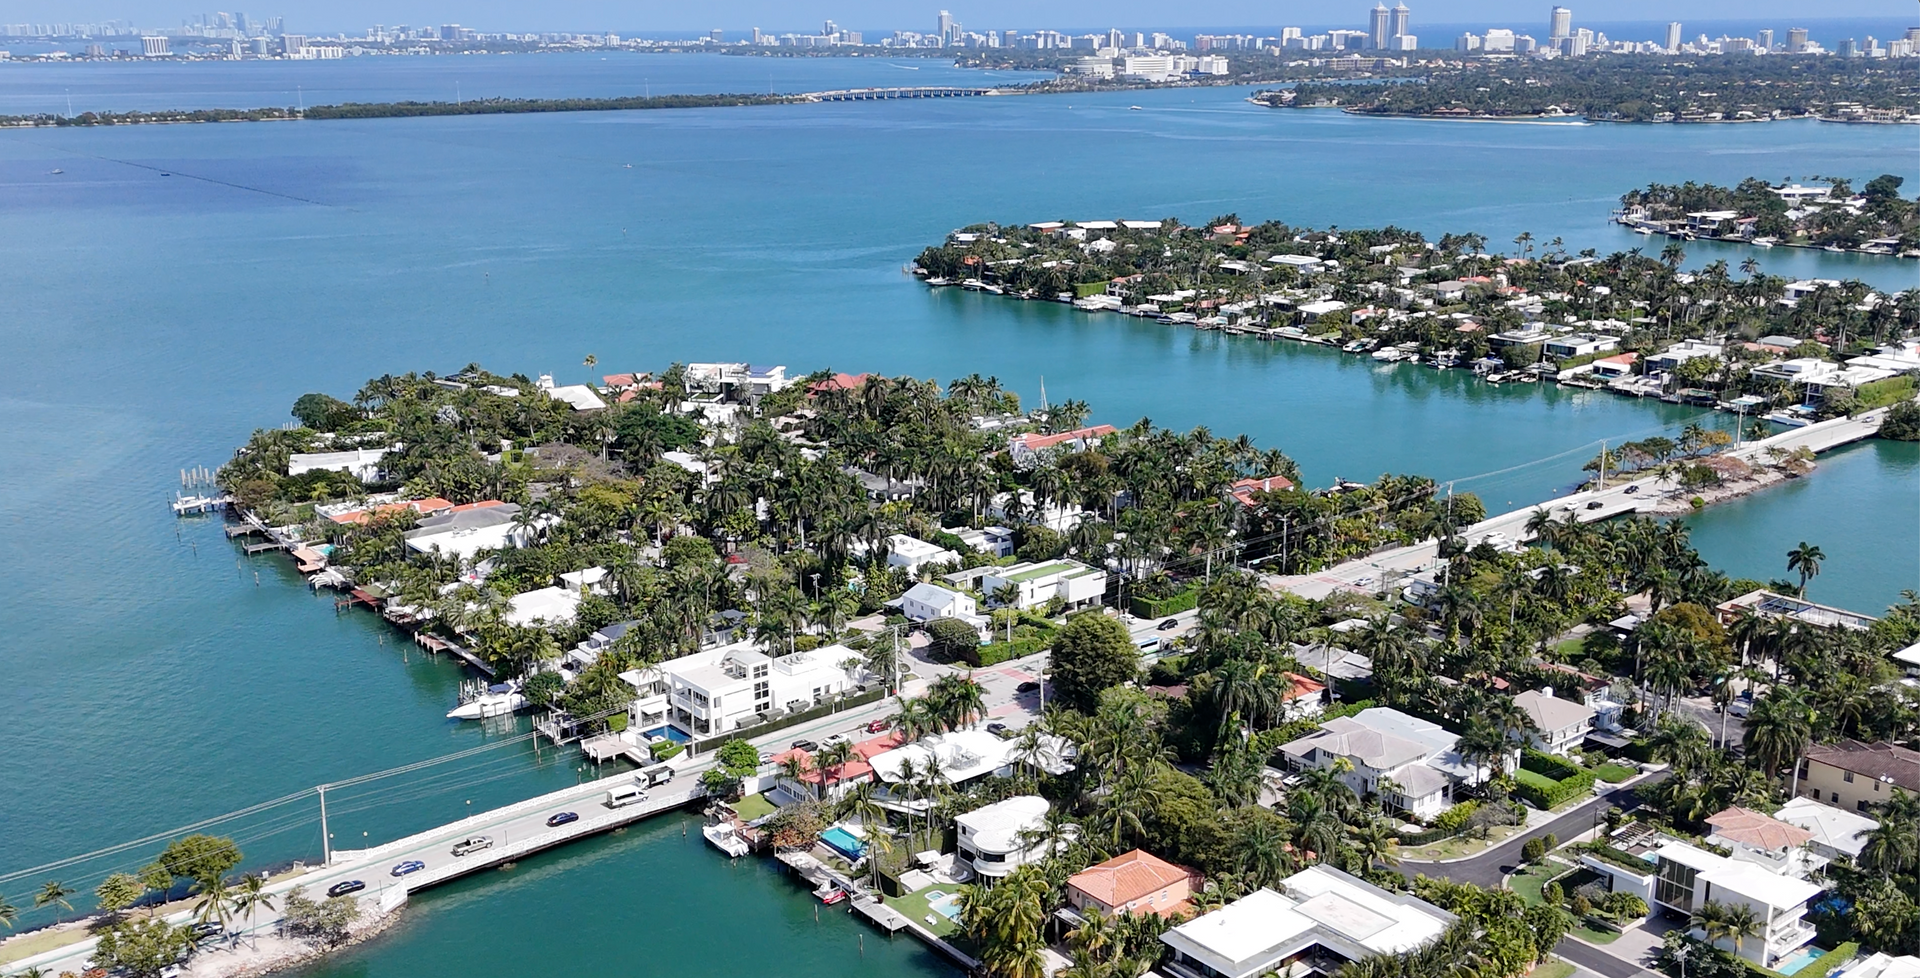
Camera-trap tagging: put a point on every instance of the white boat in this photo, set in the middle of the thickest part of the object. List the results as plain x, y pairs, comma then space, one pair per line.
1643, 230
725, 839
1764, 242
184, 505
497, 701
1133, 108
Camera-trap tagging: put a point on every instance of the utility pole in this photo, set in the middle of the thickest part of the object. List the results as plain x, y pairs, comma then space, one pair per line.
1603, 465
326, 839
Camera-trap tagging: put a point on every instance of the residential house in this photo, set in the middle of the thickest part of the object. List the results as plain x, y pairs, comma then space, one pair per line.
1856, 776
926, 602
1303, 697
999, 838
1767, 842
1246, 491
1597, 691
838, 382
739, 686
592, 580
1319, 919
1027, 449
1136, 882
1832, 833
735, 381
834, 783
588, 652
994, 541
464, 531
1687, 878
1580, 345
1035, 584
1021, 507
1312, 311
356, 514
1681, 352
580, 397
361, 463
1558, 725
1782, 606
963, 755
1409, 763
1884, 965
1615, 367
913, 553
543, 606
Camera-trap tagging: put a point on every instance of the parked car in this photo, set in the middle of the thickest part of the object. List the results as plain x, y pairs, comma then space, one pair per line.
562, 818
472, 844
875, 726
1169, 624
1632, 489
996, 728
206, 929
1596, 504
1027, 687
805, 745
838, 738
410, 866
1742, 705
345, 887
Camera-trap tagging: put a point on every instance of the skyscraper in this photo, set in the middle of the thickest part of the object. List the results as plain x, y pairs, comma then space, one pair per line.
1765, 41
1562, 24
1379, 26
945, 25
1673, 38
1400, 16
1796, 40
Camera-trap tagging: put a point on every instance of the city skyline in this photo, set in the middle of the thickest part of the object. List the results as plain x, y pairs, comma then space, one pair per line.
741, 15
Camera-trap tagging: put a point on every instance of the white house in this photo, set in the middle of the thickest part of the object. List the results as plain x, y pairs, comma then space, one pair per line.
1021, 507
1415, 758
962, 755
926, 602
912, 553
592, 579
545, 606
361, 463
735, 685
580, 397
1683, 351
1026, 449
1688, 877
1580, 345
997, 839
994, 541
1035, 584
1312, 311
463, 533
1884, 965
1558, 725
1320, 919
1832, 833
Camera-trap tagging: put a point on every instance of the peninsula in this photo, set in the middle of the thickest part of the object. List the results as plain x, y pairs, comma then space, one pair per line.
1829, 214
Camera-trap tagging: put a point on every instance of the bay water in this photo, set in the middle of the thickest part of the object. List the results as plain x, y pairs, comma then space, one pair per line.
176, 286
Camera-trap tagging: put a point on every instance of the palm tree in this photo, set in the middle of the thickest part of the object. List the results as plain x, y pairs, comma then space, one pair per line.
1894, 847
1805, 559
1372, 844
7, 912
216, 902
1778, 730
252, 896
52, 893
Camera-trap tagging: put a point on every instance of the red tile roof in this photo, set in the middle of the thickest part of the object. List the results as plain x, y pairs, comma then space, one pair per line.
425, 507
1034, 443
1750, 828
838, 382
1302, 687
1129, 877
855, 769
1245, 489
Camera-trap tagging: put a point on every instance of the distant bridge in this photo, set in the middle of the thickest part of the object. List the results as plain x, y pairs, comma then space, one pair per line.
876, 94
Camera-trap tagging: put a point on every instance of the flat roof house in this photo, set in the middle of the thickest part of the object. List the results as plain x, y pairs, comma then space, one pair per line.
1831, 832
361, 463
1323, 919
994, 541
1580, 345
1690, 877
544, 606
1036, 584
999, 838
1558, 725
1770, 605
740, 685
913, 552
1133, 882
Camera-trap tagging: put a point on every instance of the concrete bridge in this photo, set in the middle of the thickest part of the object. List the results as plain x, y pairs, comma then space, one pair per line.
877, 94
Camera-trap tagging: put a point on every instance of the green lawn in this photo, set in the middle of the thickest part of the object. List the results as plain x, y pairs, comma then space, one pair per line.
1527, 882
41, 941
1592, 936
1553, 969
752, 807
914, 905
1536, 779
1613, 773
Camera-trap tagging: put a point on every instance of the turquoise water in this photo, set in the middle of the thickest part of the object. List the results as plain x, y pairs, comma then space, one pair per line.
151, 321
1797, 960
846, 842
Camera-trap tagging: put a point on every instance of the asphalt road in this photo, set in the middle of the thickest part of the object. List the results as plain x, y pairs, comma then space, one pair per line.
1489, 868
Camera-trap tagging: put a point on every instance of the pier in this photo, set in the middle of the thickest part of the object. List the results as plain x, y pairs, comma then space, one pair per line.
878, 94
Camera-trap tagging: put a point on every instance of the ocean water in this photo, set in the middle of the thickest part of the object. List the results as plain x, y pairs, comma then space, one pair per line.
177, 286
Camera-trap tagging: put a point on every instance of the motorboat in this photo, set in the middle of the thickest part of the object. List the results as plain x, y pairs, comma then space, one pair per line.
499, 700
724, 838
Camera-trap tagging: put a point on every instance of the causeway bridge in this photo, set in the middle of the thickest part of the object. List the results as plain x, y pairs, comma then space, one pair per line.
879, 94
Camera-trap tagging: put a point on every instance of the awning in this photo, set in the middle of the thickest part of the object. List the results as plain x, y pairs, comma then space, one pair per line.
1614, 741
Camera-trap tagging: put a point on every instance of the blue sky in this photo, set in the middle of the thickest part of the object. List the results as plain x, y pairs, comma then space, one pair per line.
738, 15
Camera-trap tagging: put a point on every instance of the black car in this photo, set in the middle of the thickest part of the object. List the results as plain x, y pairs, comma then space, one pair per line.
205, 929
1170, 624
1027, 687
344, 888
996, 728
562, 818
805, 745
1632, 489
1596, 504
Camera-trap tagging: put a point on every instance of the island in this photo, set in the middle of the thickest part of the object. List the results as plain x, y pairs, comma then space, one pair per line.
1829, 214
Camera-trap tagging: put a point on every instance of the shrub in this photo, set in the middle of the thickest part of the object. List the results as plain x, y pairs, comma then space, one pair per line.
952, 639
1580, 906
1554, 767
1622, 905
1553, 894
1454, 819
1534, 849
666, 750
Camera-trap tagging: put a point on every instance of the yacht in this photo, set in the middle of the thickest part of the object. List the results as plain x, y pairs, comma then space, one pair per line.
498, 701
725, 839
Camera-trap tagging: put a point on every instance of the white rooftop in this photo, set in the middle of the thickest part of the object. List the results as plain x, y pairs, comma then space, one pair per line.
1743, 878
552, 605
1831, 827
997, 827
1321, 906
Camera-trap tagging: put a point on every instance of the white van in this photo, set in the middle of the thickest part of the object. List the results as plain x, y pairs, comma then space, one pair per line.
626, 794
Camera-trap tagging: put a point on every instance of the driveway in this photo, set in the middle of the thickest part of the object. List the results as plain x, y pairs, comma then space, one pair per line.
1489, 868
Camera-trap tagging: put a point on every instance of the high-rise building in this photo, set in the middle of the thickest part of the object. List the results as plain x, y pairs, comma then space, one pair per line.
1288, 34
1401, 15
1497, 41
714, 35
1579, 43
944, 23
1796, 40
156, 47
1765, 41
1380, 25
1673, 38
1561, 26
1849, 48
1467, 43
1115, 39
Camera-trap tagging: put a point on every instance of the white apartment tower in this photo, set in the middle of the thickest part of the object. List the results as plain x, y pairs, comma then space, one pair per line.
1401, 15
1561, 26
1379, 26
1673, 38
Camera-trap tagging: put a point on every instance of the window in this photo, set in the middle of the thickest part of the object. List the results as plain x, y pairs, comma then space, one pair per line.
760, 671
1833, 796
761, 690
1860, 806
1847, 776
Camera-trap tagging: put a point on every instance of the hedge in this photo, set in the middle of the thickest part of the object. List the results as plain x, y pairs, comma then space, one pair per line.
1825, 964
1552, 767
1162, 607
874, 695
1543, 792
998, 652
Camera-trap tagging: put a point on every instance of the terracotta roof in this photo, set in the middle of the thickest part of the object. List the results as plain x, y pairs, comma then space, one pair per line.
1882, 761
1128, 877
1302, 687
1619, 358
425, 507
855, 769
1757, 831
1034, 443
1245, 489
838, 382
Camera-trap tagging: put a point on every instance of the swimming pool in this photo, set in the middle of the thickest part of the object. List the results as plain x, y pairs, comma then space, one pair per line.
1798, 959
945, 904
671, 733
844, 842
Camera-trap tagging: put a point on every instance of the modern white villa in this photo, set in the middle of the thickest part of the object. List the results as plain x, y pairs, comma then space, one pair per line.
1000, 838
1035, 584
926, 602
1680, 877
361, 463
1319, 919
739, 686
